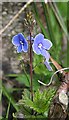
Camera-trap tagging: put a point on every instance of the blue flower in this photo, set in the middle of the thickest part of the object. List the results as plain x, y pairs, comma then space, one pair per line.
47, 63
20, 42
41, 46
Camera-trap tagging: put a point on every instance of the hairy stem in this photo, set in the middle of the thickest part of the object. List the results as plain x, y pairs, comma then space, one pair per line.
31, 82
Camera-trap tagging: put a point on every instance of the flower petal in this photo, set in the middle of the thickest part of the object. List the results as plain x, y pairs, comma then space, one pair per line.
38, 38
47, 44
21, 37
19, 48
45, 54
15, 40
48, 65
25, 47
36, 49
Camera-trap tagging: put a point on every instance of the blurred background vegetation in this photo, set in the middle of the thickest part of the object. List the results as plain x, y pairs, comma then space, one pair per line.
51, 20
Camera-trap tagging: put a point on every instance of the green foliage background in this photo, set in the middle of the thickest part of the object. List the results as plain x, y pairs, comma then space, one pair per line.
56, 20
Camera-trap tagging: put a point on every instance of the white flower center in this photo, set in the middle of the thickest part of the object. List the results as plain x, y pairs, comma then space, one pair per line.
21, 42
39, 45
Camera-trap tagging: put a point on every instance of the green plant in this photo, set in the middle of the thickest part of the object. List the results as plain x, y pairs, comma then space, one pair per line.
40, 104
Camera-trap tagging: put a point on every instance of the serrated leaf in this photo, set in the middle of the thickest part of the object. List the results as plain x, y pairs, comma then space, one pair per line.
41, 100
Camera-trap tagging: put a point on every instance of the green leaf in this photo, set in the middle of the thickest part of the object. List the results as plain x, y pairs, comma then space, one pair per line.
11, 75
36, 85
23, 79
40, 68
41, 101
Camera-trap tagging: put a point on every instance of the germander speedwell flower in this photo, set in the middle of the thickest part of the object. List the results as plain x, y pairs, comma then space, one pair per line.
41, 46
20, 42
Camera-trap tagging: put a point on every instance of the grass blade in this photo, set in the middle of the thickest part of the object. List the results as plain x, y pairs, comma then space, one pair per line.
59, 17
35, 10
9, 97
47, 18
8, 110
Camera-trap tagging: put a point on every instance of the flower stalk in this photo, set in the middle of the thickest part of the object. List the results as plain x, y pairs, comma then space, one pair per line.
31, 73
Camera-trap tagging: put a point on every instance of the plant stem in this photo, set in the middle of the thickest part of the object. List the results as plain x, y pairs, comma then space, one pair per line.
31, 82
